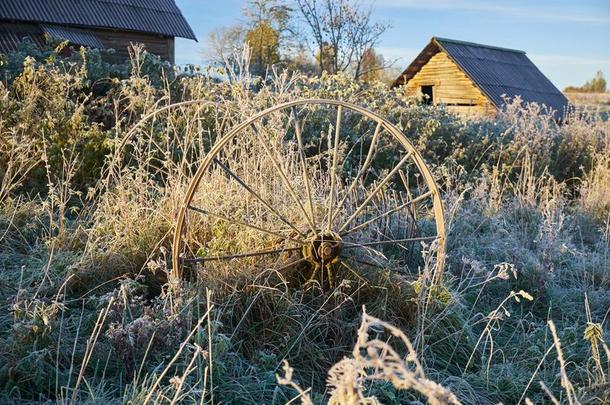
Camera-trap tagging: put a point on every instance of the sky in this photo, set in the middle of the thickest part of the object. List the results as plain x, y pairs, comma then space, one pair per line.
569, 40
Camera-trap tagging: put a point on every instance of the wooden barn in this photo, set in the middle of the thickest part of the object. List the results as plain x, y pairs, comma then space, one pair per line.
474, 79
100, 24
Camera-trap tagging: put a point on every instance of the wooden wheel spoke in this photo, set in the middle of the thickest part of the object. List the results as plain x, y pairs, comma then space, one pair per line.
283, 175
363, 168
354, 272
375, 191
293, 263
240, 255
360, 261
333, 170
385, 214
245, 224
306, 179
350, 245
257, 196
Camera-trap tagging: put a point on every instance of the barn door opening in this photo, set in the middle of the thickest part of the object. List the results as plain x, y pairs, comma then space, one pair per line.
428, 94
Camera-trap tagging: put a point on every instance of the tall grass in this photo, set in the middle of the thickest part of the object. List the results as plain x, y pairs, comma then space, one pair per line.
92, 179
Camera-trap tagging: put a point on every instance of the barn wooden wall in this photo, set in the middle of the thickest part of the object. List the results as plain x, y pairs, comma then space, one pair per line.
450, 86
120, 40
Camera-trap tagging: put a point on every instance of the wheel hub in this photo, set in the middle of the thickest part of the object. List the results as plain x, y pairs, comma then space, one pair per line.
323, 248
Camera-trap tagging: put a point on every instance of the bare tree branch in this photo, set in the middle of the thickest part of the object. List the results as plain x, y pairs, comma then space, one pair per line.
342, 31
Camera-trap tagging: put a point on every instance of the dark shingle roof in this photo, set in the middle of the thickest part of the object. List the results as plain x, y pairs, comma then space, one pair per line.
496, 71
74, 35
12, 34
11, 37
153, 16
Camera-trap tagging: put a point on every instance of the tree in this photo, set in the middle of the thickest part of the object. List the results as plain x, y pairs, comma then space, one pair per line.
266, 32
325, 58
264, 44
301, 61
371, 66
273, 12
224, 44
342, 31
269, 24
597, 84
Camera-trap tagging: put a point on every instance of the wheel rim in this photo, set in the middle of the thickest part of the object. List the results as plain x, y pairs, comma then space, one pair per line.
318, 237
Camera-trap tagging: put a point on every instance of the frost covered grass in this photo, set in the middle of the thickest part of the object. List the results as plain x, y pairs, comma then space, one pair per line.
92, 173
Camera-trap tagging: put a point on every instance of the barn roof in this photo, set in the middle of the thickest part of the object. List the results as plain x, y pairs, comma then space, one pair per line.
151, 16
496, 71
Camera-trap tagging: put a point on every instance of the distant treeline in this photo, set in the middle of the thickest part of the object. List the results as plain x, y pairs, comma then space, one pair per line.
595, 85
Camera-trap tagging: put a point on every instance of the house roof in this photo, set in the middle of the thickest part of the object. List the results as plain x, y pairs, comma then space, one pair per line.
152, 16
496, 71
11, 37
74, 35
12, 34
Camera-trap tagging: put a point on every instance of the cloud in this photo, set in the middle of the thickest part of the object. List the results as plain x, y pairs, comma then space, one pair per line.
550, 13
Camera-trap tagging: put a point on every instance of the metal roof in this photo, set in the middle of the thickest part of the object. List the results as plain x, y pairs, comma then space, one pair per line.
12, 34
152, 16
11, 37
74, 35
497, 72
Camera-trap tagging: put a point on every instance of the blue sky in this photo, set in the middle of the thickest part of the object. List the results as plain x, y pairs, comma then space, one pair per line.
569, 40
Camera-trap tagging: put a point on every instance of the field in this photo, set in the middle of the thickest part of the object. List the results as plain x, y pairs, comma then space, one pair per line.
600, 101
94, 166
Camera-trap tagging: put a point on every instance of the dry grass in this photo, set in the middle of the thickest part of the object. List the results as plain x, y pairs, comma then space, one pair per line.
90, 314
589, 99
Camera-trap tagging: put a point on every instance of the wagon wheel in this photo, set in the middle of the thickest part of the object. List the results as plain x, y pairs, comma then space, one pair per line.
319, 185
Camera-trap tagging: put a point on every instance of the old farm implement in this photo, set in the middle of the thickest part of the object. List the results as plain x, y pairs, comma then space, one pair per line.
321, 186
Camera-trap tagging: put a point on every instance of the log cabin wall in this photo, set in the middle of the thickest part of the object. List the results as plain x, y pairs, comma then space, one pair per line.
477, 79
450, 86
162, 46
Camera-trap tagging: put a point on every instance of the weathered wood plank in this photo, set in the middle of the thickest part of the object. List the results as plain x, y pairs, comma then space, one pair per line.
451, 86
120, 41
